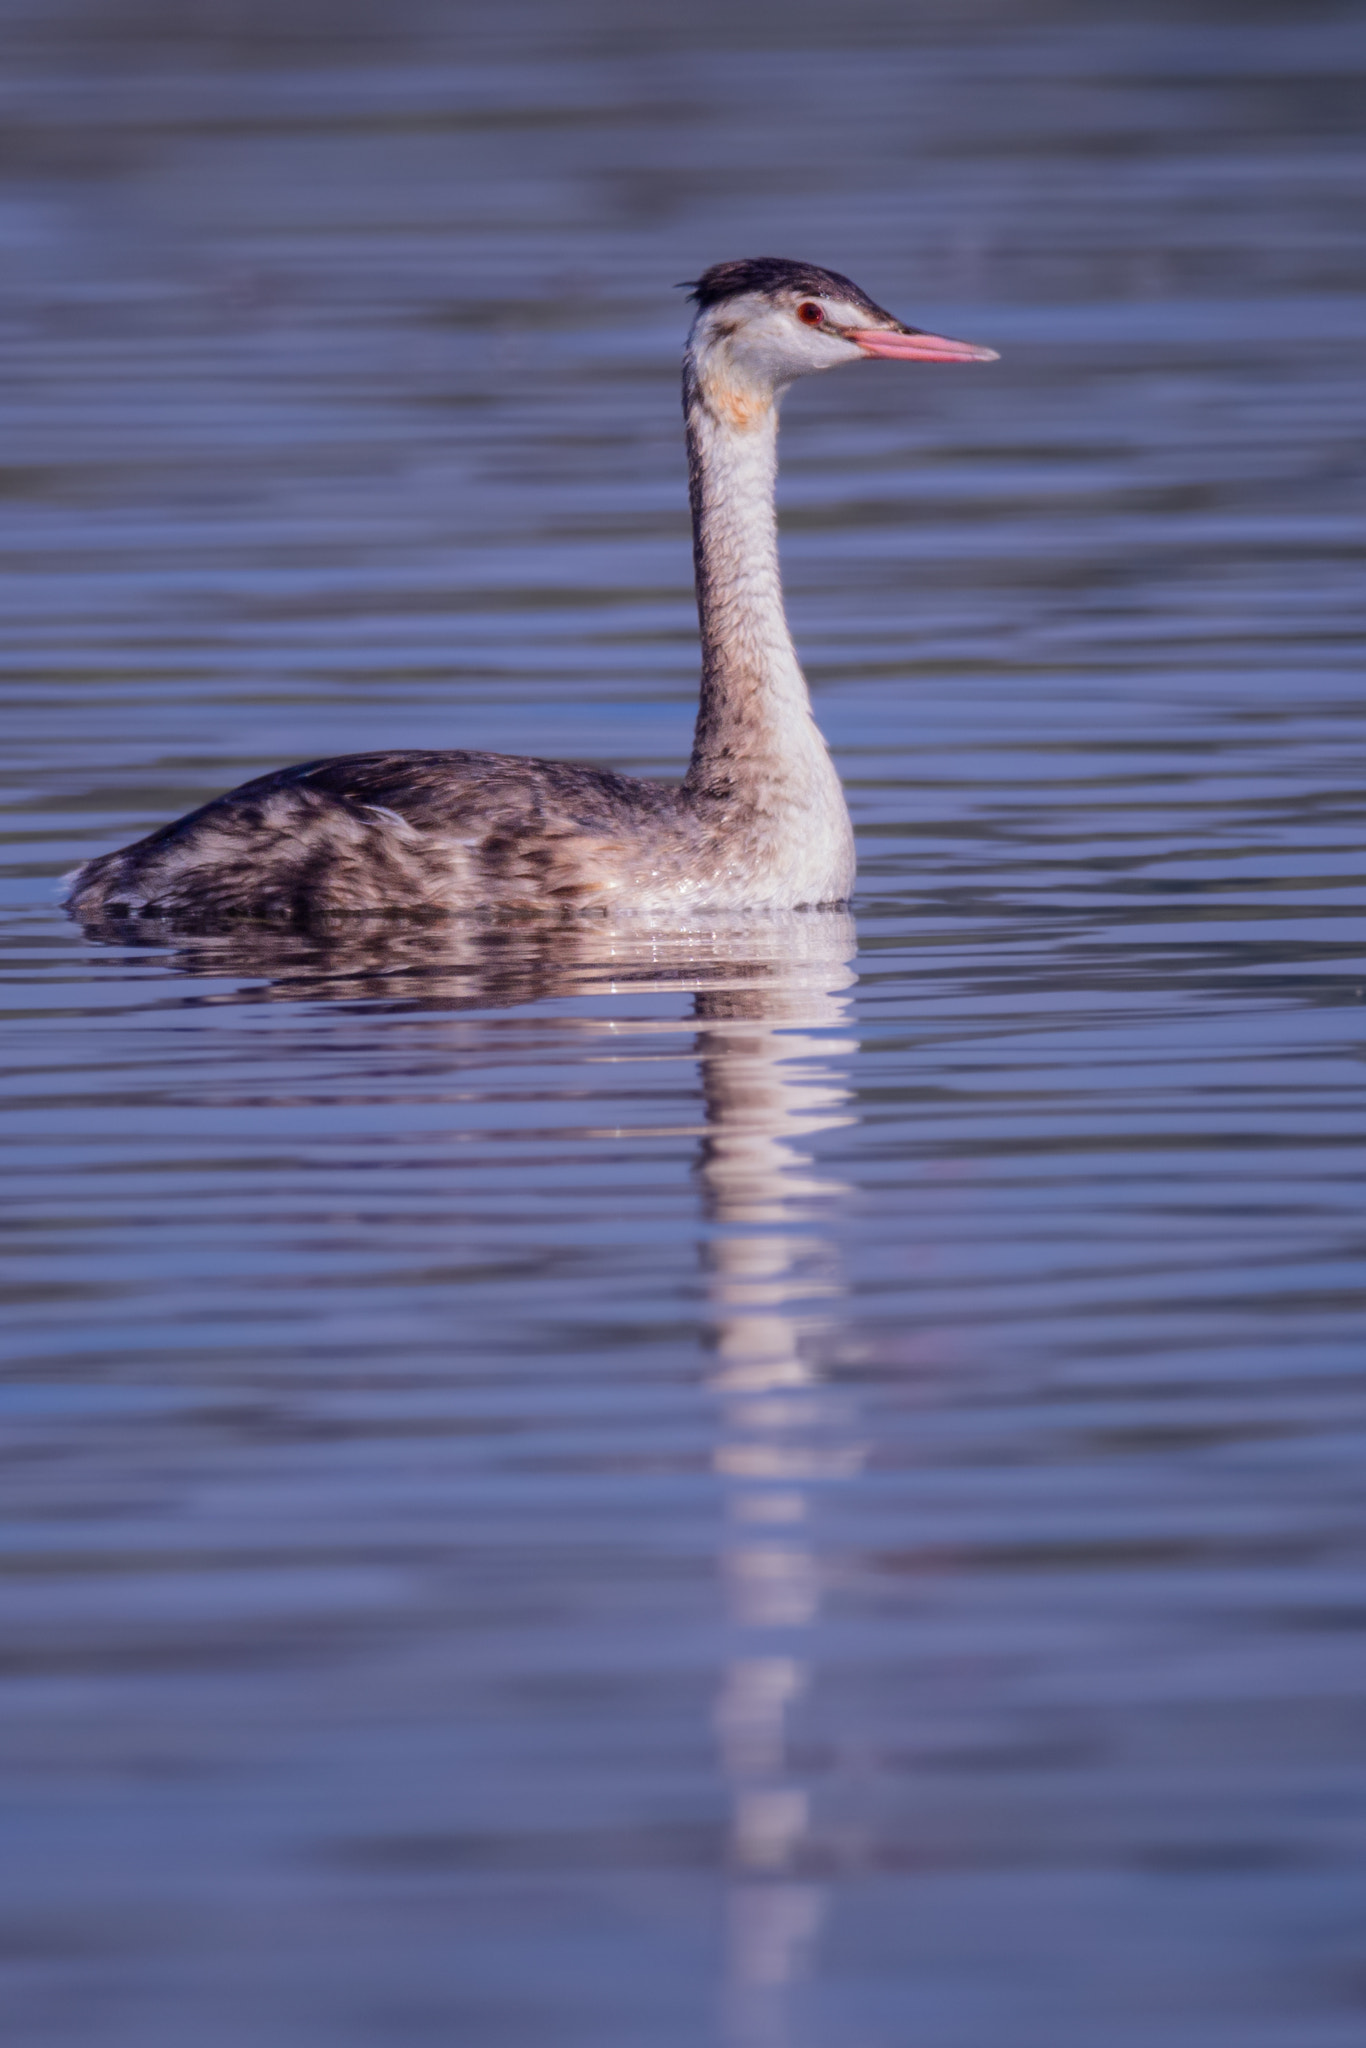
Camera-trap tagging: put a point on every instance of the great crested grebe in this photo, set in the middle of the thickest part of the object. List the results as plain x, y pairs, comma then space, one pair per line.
758, 822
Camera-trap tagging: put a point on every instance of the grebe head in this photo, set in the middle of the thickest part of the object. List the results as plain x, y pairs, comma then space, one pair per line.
765, 320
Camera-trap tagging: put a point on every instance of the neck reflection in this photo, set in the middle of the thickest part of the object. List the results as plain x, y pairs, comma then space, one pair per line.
772, 1077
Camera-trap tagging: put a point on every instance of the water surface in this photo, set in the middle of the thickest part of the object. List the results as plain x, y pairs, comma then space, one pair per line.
795, 1483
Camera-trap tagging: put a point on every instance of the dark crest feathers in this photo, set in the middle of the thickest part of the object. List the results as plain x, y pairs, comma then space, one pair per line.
774, 274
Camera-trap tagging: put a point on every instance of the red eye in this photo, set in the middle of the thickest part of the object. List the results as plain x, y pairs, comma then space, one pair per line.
811, 314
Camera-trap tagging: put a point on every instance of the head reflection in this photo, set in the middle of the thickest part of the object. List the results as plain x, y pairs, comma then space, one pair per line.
769, 997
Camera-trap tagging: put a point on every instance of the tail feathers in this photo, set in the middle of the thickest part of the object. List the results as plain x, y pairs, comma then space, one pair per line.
98, 888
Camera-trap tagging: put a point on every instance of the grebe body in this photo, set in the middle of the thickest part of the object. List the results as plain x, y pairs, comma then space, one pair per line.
759, 821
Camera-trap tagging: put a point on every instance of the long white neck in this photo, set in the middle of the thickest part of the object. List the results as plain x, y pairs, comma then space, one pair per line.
756, 746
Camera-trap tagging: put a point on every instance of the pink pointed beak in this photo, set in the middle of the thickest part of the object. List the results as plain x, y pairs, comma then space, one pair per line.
911, 346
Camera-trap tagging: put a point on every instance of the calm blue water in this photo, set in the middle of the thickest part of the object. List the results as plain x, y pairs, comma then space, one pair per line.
796, 1484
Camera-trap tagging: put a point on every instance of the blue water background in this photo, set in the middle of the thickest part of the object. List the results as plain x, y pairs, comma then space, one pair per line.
779, 1486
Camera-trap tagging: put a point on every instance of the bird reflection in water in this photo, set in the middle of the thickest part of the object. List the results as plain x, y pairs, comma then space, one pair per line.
769, 998
772, 1076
